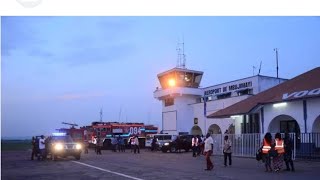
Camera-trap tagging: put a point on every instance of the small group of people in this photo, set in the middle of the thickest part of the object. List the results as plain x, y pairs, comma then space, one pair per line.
134, 144
277, 150
38, 148
207, 150
118, 144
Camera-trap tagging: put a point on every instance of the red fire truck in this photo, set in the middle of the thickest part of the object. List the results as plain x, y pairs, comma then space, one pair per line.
76, 134
106, 130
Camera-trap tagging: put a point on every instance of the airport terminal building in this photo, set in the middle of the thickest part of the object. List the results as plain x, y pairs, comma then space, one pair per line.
256, 104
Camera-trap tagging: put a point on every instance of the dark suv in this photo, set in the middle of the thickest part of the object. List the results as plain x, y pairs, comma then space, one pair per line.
61, 145
181, 142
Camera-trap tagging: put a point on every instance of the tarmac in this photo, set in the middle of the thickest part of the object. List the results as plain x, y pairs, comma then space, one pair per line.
146, 165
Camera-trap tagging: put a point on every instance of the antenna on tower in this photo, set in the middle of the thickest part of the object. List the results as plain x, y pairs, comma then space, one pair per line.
179, 54
260, 67
183, 55
181, 61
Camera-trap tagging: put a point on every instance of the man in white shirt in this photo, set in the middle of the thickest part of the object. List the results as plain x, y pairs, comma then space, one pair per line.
42, 147
136, 144
208, 148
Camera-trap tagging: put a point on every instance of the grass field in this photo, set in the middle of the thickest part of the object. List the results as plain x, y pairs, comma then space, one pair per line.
15, 145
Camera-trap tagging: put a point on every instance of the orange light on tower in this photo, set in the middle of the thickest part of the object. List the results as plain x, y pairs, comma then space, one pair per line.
172, 82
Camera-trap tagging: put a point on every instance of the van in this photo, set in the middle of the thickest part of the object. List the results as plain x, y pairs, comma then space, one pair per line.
164, 138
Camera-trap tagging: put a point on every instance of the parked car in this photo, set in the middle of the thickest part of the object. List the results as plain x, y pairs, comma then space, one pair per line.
182, 142
164, 138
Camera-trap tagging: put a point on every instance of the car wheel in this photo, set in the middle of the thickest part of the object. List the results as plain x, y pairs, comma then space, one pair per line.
164, 150
77, 157
173, 149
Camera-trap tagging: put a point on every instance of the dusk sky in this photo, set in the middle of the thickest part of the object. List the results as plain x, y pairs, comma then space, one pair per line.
65, 69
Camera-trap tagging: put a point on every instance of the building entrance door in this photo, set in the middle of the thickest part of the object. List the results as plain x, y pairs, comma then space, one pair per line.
291, 126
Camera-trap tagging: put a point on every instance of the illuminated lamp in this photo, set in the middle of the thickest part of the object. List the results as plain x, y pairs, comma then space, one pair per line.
78, 146
172, 82
280, 104
58, 134
234, 116
58, 146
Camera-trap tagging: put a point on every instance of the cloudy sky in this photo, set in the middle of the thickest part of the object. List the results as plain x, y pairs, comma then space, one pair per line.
64, 69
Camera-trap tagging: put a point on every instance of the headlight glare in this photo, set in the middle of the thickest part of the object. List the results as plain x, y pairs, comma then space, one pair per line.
166, 144
78, 146
58, 146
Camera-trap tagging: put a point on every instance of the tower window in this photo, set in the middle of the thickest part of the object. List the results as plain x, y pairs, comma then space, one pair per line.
222, 96
244, 92
169, 102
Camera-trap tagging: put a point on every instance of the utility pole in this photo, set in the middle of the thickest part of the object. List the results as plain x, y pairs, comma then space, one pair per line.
253, 68
260, 67
120, 113
101, 114
276, 49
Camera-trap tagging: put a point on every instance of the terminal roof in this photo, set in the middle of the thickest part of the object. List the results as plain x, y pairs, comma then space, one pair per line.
296, 88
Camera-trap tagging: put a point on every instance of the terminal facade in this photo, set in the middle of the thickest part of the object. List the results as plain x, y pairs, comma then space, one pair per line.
185, 105
248, 105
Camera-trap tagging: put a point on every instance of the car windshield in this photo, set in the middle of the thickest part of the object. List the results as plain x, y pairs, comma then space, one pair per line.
149, 138
66, 139
163, 137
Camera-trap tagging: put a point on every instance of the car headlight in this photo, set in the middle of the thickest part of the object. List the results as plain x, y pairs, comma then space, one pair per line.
58, 146
166, 144
78, 146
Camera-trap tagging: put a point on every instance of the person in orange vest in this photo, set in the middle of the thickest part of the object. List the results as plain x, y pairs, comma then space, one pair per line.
266, 146
194, 145
279, 147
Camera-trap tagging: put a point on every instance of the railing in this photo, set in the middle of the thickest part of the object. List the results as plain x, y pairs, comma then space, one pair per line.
305, 145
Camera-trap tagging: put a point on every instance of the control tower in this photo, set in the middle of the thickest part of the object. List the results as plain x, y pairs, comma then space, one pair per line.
179, 90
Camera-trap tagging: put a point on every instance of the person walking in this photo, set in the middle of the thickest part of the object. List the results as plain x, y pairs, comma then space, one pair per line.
42, 148
202, 145
266, 146
86, 146
279, 147
208, 149
34, 149
154, 144
114, 143
132, 143
288, 152
199, 145
121, 144
99, 146
194, 146
94, 141
136, 145
227, 150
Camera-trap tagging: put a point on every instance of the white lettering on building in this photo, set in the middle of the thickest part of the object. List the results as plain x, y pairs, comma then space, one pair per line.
228, 88
314, 92
301, 94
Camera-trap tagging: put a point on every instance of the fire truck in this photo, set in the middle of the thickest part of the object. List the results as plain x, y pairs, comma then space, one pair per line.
108, 130
78, 135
